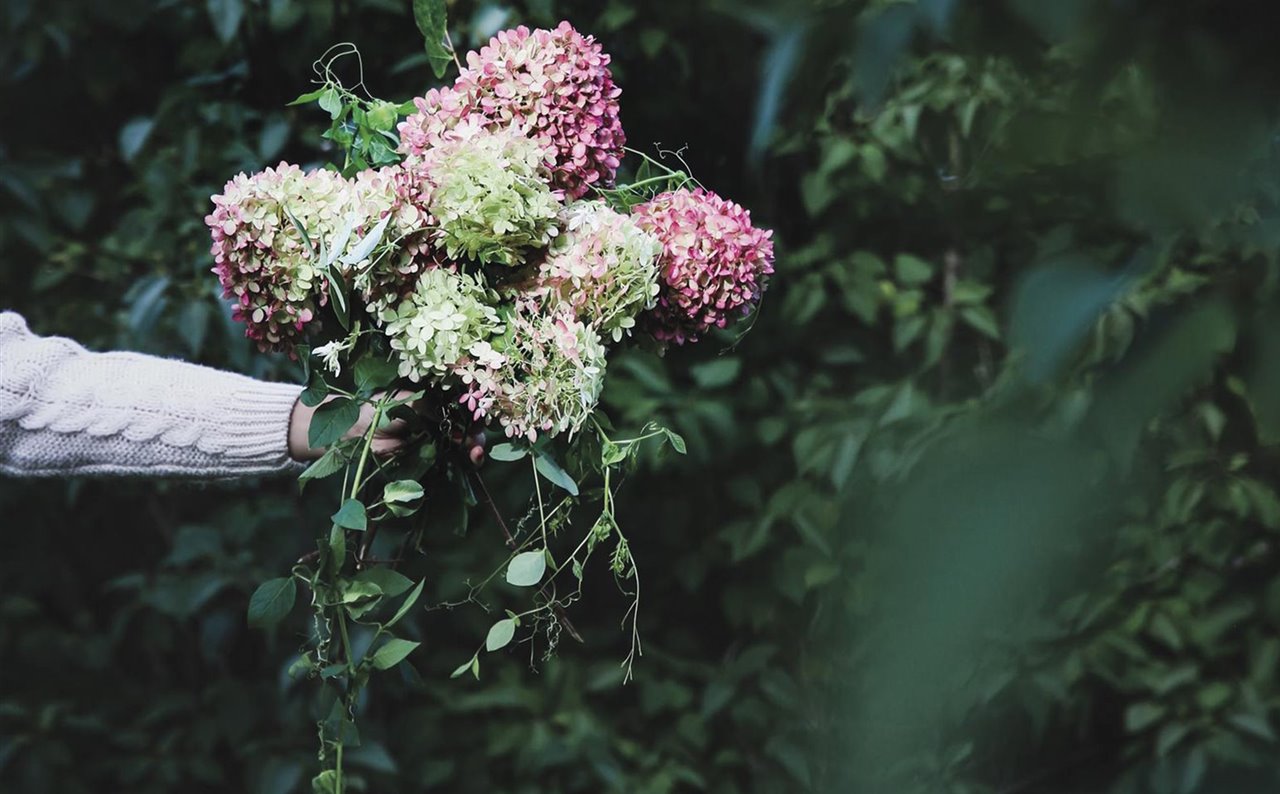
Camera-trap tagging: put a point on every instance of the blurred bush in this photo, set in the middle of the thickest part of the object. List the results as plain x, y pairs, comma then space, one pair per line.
985, 502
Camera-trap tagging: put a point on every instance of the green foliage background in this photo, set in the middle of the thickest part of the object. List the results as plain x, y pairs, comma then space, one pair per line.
986, 502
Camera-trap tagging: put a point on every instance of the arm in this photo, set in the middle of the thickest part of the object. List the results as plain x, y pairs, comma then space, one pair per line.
65, 411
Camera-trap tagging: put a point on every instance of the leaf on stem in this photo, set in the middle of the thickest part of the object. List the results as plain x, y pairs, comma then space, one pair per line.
331, 421
393, 653
351, 516
500, 635
526, 569
506, 453
271, 602
548, 468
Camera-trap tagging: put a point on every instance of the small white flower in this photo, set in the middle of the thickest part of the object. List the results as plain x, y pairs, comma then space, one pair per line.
331, 354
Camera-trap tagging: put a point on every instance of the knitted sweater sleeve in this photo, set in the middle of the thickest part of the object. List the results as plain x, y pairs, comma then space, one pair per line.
65, 411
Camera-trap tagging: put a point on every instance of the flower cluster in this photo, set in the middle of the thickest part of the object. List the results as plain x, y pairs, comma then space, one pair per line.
442, 321
543, 376
262, 258
714, 266
603, 266
398, 192
488, 193
492, 259
553, 84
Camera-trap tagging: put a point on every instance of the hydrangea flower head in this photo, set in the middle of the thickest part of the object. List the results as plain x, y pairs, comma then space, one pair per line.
715, 265
262, 259
488, 193
406, 249
554, 84
543, 376
436, 326
603, 266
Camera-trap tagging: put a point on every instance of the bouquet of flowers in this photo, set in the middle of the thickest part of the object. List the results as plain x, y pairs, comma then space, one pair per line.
471, 265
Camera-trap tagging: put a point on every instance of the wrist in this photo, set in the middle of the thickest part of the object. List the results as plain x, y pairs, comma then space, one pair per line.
299, 425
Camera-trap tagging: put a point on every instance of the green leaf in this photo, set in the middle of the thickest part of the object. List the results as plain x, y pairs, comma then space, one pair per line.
226, 16
331, 102
331, 421
351, 515
551, 470
330, 463
1141, 716
338, 300
317, 389
433, 23
382, 116
677, 441
365, 247
463, 668
982, 320
389, 582
271, 602
717, 373
133, 136
310, 96
1253, 724
611, 453
507, 452
402, 491
373, 373
500, 635
297, 225
393, 653
409, 601
526, 569
325, 783
355, 590
1169, 737
911, 269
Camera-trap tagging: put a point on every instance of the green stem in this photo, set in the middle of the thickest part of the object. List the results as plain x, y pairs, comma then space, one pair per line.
358, 483
337, 767
651, 180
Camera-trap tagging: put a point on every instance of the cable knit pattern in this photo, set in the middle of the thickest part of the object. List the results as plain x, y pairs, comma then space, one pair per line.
65, 411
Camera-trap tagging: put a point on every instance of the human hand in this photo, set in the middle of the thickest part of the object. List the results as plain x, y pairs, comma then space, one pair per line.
388, 438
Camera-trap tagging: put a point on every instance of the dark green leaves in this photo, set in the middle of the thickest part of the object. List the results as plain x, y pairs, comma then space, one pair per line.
433, 24
551, 470
409, 601
331, 421
392, 653
328, 464
351, 516
390, 583
133, 136
372, 372
506, 452
271, 602
316, 390
226, 16
526, 569
402, 491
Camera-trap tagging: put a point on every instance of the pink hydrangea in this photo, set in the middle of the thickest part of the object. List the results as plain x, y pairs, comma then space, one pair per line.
543, 376
407, 250
602, 266
554, 84
262, 260
714, 266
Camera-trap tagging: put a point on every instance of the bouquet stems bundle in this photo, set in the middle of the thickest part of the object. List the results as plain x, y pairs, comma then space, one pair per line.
470, 267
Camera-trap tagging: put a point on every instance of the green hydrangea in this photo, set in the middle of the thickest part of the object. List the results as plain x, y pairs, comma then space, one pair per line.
490, 196
437, 325
603, 266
